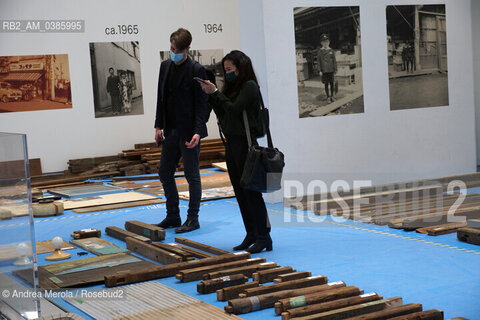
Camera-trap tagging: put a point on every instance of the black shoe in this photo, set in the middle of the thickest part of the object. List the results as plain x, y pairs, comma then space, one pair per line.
170, 222
262, 242
247, 242
189, 225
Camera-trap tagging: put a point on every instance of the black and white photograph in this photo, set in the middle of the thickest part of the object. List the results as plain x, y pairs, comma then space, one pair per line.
211, 59
34, 82
116, 78
329, 61
417, 56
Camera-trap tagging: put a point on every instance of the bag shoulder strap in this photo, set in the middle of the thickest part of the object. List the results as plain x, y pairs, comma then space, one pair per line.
267, 125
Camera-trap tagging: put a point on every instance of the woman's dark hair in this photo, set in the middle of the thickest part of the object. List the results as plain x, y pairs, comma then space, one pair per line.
245, 72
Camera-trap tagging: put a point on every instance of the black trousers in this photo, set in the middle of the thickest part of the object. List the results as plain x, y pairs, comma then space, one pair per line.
251, 203
116, 103
173, 148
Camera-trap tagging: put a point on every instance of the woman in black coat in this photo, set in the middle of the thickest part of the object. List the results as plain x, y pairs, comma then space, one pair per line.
241, 92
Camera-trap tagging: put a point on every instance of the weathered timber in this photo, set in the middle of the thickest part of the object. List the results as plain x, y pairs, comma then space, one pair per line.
330, 305
194, 274
193, 252
185, 255
390, 313
245, 270
232, 292
200, 246
172, 269
269, 275
292, 276
264, 301
355, 310
153, 232
294, 284
121, 234
424, 315
152, 252
469, 235
315, 298
212, 285
442, 229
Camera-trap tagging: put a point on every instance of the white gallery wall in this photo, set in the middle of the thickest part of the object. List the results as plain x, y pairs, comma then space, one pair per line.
476, 66
55, 136
379, 144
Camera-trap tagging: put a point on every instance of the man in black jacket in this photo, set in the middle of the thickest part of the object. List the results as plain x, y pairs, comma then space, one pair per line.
113, 88
180, 123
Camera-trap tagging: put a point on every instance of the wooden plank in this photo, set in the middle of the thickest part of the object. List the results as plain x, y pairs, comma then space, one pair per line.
330, 305
123, 234
263, 301
269, 275
294, 284
391, 312
193, 252
195, 274
200, 246
314, 298
152, 232
469, 235
119, 206
210, 194
105, 199
212, 285
98, 246
152, 252
185, 255
170, 270
85, 277
355, 310
16, 168
442, 229
72, 178
232, 292
220, 165
245, 270
424, 315
292, 276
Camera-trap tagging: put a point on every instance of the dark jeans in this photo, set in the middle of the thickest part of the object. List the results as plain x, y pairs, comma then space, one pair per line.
173, 148
251, 203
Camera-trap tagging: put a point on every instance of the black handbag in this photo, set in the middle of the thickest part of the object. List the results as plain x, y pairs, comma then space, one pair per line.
264, 165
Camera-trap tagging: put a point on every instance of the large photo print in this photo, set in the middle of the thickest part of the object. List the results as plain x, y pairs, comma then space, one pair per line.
35, 82
116, 78
417, 56
329, 61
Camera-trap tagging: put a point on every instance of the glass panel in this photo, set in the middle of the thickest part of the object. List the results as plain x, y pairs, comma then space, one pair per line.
17, 251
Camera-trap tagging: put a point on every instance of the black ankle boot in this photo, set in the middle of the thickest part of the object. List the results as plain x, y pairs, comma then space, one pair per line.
190, 224
262, 242
170, 222
247, 242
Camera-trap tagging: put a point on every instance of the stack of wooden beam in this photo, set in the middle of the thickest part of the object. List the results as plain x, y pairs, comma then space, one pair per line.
423, 205
293, 294
143, 159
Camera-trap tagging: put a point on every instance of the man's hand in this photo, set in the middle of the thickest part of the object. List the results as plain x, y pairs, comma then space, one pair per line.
194, 142
207, 86
159, 136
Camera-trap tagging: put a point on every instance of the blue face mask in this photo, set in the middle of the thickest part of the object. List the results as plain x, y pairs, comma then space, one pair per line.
176, 57
231, 77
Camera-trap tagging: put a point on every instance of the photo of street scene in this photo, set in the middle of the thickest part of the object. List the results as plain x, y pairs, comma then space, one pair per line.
116, 78
417, 56
329, 61
34, 82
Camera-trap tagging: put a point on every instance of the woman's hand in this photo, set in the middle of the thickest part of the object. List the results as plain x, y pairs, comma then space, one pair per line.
207, 86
